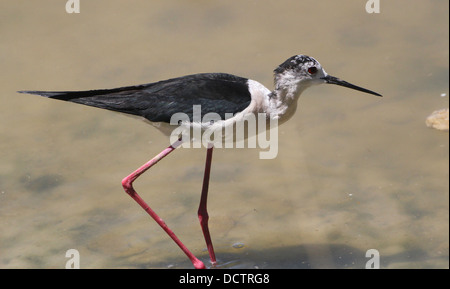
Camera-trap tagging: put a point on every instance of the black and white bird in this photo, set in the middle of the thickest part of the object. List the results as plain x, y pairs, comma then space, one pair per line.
230, 97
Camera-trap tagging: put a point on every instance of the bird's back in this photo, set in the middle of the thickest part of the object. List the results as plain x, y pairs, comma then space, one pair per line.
216, 92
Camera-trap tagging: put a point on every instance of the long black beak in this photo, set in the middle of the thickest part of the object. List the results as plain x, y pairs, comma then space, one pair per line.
334, 80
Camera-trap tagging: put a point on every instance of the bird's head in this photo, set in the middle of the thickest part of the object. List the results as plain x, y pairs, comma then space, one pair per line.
301, 71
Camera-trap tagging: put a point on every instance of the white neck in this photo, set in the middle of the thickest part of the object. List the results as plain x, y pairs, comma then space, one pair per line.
281, 103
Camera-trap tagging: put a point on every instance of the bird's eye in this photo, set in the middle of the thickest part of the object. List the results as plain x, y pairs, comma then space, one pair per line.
312, 70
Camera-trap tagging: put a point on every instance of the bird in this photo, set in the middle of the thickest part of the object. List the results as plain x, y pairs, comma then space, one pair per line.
231, 98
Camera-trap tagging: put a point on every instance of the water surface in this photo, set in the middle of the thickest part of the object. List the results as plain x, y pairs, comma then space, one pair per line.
354, 172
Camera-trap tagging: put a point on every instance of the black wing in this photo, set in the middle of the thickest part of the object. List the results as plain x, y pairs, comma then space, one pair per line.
215, 92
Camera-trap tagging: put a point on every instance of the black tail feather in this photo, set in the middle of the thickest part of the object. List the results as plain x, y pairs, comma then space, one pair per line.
123, 99
51, 94
71, 95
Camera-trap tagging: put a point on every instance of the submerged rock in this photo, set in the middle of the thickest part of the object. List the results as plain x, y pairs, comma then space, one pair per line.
438, 119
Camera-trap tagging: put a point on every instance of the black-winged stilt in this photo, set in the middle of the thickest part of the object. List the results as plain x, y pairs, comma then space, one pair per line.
231, 97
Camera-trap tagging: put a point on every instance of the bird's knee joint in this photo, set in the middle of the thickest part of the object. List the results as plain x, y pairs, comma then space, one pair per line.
127, 184
203, 217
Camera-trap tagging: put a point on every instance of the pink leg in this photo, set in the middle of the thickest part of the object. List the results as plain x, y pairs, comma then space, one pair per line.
202, 211
127, 184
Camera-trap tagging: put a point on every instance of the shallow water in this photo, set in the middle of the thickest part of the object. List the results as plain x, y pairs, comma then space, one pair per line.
354, 172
